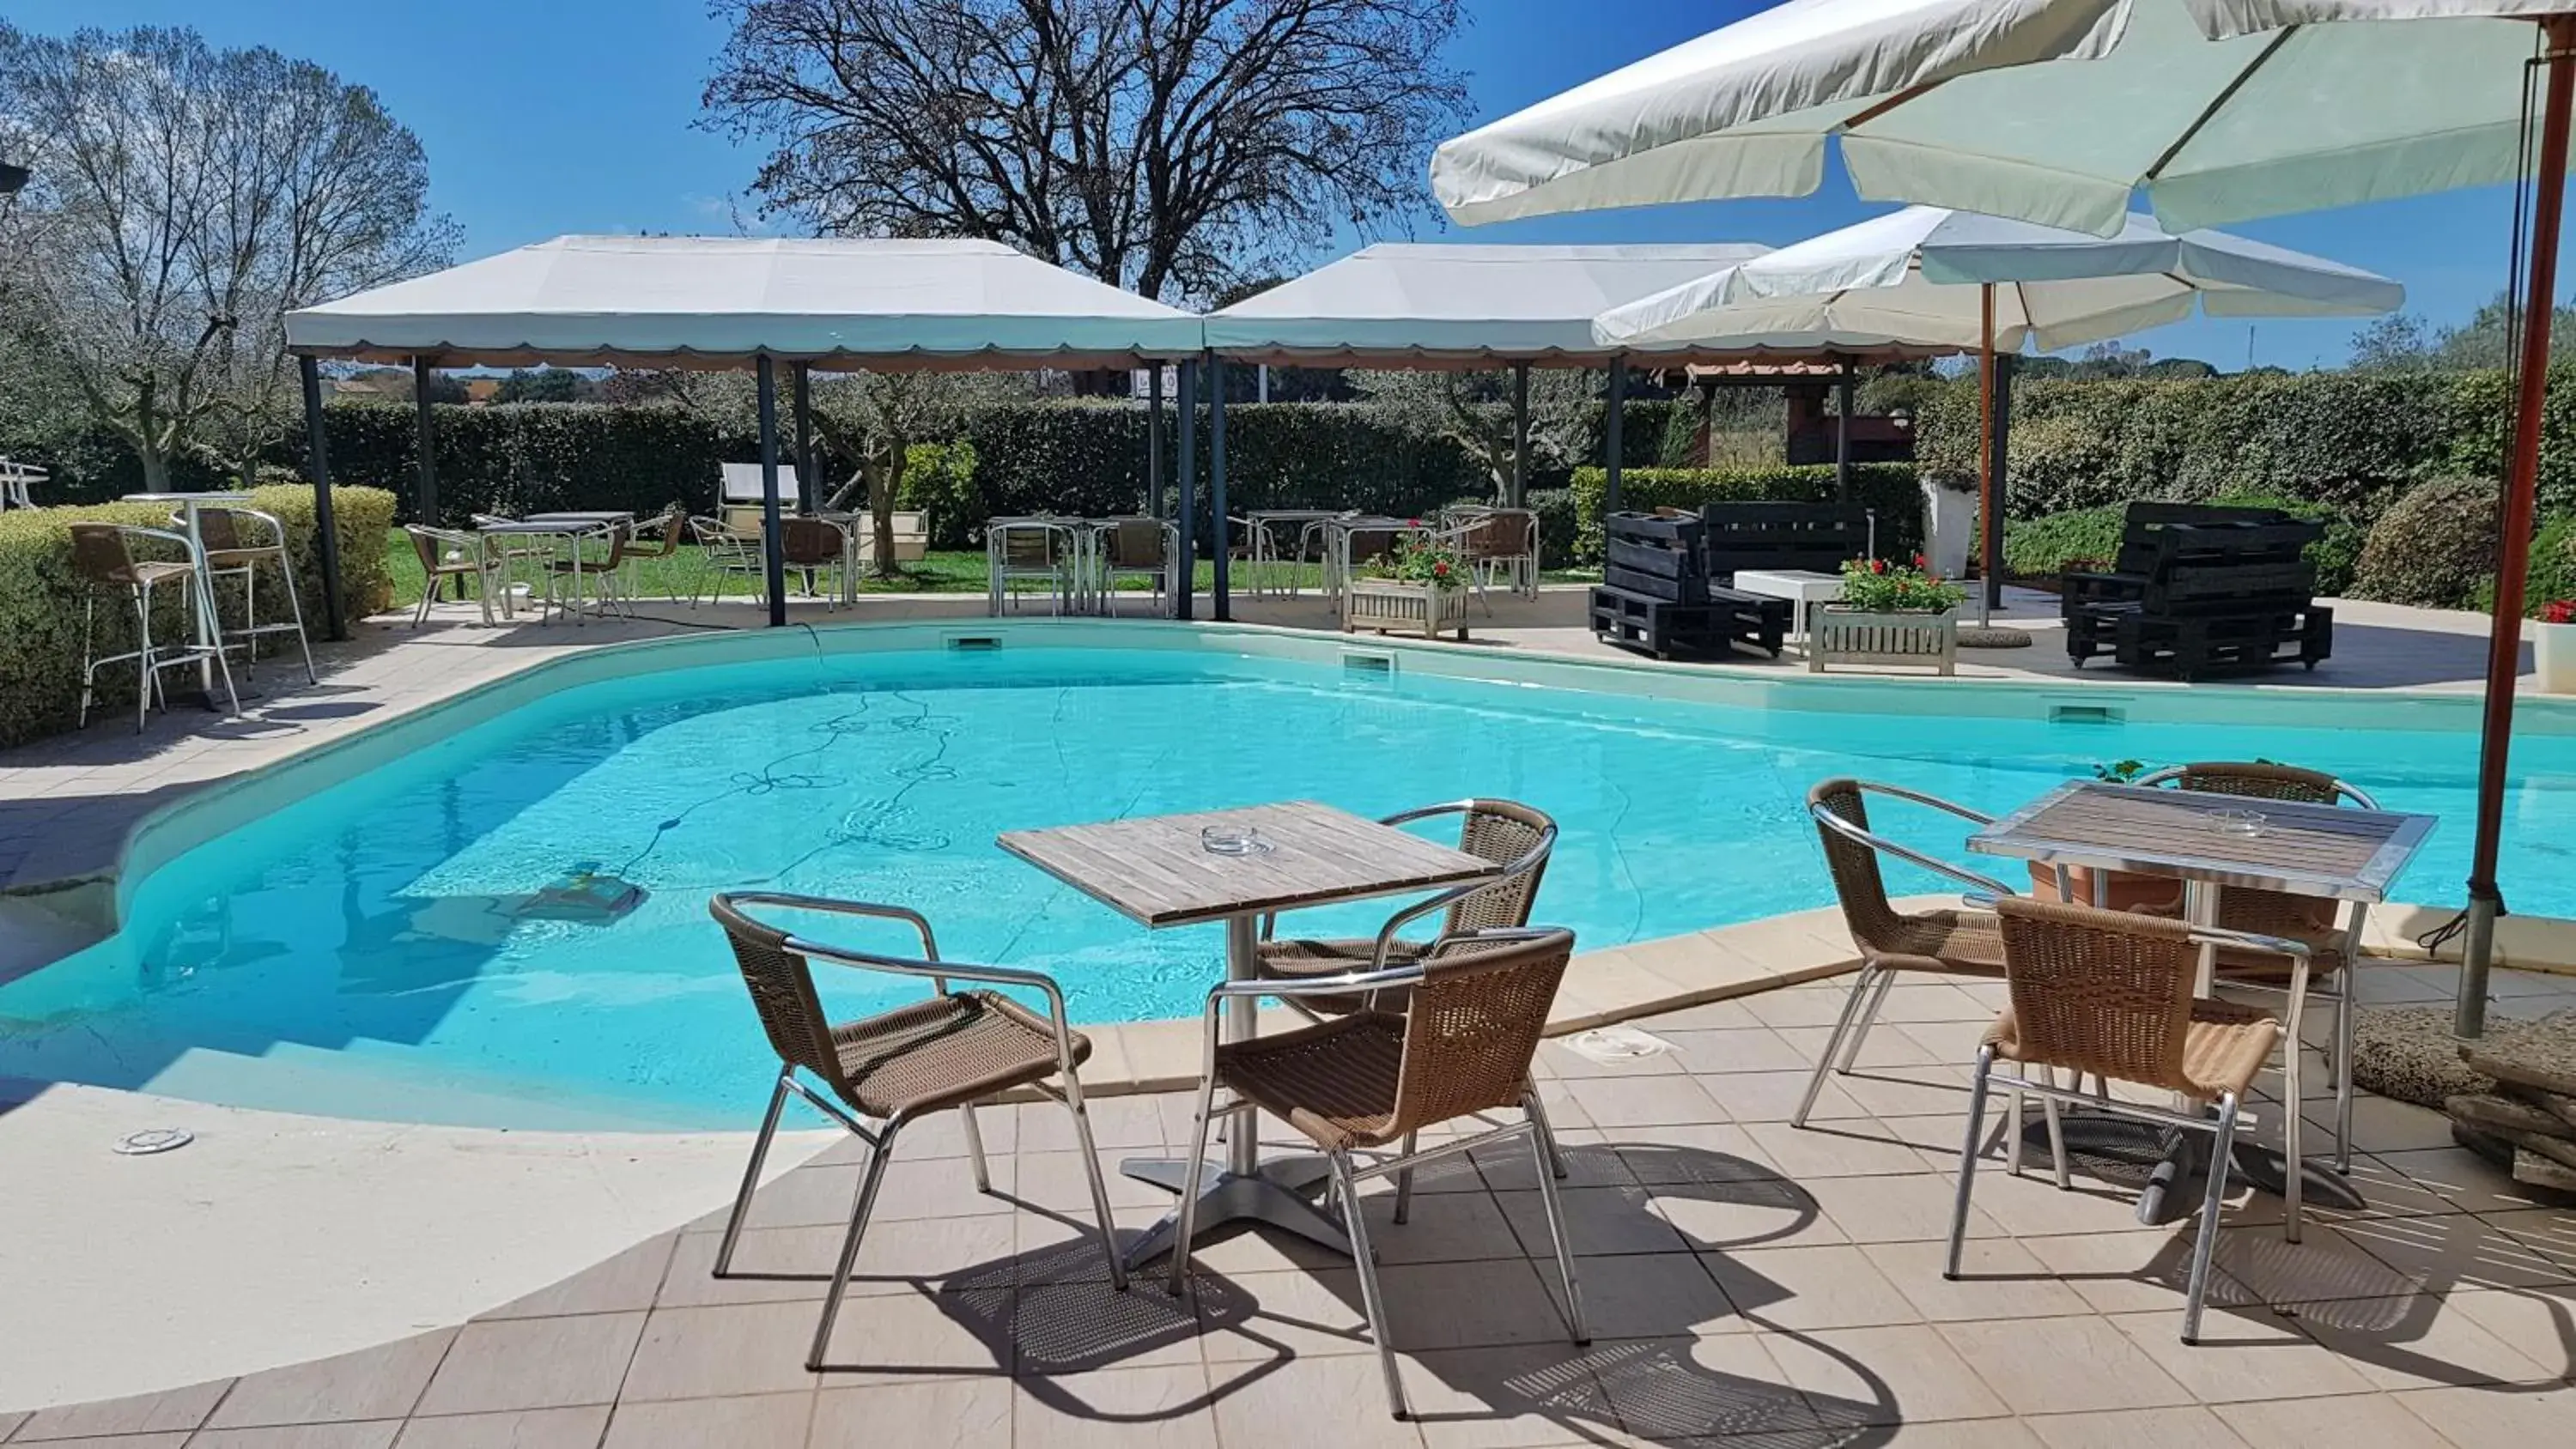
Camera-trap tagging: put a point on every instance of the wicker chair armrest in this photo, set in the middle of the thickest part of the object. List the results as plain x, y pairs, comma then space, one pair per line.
788, 901
173, 537
1917, 797
2157, 779
1349, 983
1844, 828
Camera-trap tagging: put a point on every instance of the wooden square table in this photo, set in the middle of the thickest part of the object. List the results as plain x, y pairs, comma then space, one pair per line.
2330, 852
1157, 870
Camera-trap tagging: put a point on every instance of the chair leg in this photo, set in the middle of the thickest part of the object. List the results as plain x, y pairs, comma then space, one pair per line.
1868, 1019
1546, 1137
1355, 1223
866, 1204
1099, 1185
1547, 1197
2293, 1166
150, 678
2344, 1008
975, 1148
1968, 1161
2206, 1243
2056, 1137
1404, 1182
1861, 985
1197, 1161
89, 657
750, 1178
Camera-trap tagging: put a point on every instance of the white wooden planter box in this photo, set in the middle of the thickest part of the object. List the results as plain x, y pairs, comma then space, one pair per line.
1393, 606
1847, 636
2553, 657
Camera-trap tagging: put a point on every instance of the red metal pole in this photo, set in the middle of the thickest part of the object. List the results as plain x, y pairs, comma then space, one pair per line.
2522, 483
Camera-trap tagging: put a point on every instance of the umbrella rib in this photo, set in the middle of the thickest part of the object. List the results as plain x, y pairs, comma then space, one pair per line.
2225, 95
1873, 112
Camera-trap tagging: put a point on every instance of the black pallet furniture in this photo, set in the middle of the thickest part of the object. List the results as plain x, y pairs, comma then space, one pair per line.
1655, 595
2125, 582
2203, 596
1817, 537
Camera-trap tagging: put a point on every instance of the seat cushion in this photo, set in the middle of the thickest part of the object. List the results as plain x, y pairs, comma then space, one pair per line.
946, 1052
1334, 1082
2224, 1047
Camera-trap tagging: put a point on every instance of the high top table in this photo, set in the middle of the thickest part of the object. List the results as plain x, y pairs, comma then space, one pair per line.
1157, 870
2329, 852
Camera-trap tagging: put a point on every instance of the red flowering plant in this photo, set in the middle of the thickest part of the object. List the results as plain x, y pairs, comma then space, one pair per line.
2558, 611
1422, 558
1875, 586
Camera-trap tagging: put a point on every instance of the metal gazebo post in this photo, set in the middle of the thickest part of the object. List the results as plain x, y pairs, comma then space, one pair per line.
326, 531
1612, 443
1185, 477
802, 377
2522, 481
425, 423
1842, 433
1220, 605
1520, 436
1990, 500
773, 547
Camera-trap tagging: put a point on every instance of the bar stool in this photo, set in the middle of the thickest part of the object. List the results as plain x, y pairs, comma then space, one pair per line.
14, 480
102, 560
238, 541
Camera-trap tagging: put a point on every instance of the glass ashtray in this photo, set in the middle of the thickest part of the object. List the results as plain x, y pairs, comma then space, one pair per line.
1232, 840
2246, 823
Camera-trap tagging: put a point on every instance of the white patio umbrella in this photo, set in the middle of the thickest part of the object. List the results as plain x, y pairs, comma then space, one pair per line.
2056, 111
1935, 277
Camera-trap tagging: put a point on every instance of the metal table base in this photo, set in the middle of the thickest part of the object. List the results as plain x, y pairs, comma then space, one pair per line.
1272, 1194
2168, 1166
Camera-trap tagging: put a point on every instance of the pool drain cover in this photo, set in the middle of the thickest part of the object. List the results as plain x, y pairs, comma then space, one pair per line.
152, 1140
1616, 1044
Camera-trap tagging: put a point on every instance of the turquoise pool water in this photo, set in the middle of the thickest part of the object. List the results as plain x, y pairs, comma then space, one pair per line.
370, 950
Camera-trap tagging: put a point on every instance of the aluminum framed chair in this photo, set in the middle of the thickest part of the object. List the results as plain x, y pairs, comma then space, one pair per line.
16, 479
1137, 548
1517, 838
103, 559
1360, 1083
726, 554
670, 529
1500, 546
815, 547
952, 1050
570, 573
2109, 994
1942, 942
447, 553
238, 541
1021, 549
2333, 951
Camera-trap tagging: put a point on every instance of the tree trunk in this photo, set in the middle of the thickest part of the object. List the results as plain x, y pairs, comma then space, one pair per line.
882, 490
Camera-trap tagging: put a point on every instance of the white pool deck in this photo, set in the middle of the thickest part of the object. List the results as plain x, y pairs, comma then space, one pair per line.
276, 1239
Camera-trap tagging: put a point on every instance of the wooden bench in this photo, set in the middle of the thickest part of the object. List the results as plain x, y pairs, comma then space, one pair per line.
2202, 596
1655, 595
1815, 537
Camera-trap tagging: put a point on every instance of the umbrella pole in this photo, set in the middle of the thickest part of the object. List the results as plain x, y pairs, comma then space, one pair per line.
1990, 531
2522, 481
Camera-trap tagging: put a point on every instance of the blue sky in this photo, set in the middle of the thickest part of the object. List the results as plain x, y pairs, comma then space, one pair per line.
553, 116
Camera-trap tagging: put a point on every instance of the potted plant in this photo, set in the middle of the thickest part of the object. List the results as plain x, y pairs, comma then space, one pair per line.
1889, 614
2553, 647
1420, 585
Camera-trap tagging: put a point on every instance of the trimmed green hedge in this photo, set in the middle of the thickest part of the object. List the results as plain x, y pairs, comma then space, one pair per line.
1888, 488
41, 603
2434, 548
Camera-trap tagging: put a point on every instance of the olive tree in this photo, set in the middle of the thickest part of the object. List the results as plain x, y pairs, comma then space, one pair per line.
182, 201
1476, 409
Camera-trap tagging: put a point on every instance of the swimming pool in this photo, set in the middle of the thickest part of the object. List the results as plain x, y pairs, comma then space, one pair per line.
377, 948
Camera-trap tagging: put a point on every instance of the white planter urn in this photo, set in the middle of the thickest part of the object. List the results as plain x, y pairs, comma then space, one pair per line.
2553, 654
1949, 527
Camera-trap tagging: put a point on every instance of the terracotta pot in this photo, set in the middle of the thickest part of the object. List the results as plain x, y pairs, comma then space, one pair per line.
2127, 892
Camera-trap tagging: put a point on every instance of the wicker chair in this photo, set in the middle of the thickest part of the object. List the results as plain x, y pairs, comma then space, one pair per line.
1515, 837
814, 546
1358, 1083
726, 554
670, 530
2109, 994
237, 542
448, 554
1137, 548
2305, 919
103, 561
953, 1050
1950, 942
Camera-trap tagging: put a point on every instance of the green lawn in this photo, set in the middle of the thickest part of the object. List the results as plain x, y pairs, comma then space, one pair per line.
959, 572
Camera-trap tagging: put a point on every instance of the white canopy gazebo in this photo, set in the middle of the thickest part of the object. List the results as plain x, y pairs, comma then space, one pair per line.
1450, 306
723, 303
